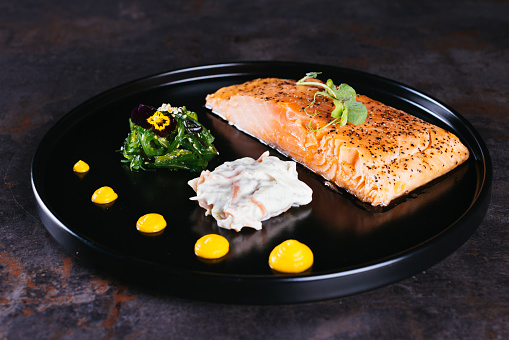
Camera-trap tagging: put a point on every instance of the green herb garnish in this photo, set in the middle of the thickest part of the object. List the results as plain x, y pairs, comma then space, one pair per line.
169, 137
344, 97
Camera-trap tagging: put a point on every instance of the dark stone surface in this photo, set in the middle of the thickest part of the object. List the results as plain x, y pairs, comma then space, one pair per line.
54, 55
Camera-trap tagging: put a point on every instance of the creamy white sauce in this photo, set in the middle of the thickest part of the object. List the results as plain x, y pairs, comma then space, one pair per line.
245, 192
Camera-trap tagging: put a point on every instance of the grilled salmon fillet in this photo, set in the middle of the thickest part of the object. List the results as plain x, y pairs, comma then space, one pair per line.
389, 155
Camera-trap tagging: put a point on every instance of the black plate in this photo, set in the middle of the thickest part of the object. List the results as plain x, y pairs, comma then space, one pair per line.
355, 248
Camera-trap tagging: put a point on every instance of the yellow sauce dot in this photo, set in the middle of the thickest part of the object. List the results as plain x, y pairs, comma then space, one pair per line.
211, 246
81, 167
151, 223
291, 256
104, 195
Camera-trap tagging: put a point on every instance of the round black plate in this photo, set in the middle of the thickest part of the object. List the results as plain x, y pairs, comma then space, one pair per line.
356, 248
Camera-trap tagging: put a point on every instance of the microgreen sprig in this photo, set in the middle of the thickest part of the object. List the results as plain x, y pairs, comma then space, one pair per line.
344, 97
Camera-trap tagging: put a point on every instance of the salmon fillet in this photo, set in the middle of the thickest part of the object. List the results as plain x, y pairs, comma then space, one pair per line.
389, 155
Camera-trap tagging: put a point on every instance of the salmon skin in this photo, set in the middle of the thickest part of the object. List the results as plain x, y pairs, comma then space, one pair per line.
386, 157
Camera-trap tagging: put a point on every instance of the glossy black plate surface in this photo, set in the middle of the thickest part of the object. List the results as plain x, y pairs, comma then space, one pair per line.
355, 248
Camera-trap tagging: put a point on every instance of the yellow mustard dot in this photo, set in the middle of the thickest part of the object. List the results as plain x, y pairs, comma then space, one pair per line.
291, 256
81, 167
211, 246
104, 195
151, 223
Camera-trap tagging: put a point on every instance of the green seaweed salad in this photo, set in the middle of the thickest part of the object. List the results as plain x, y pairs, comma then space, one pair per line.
167, 137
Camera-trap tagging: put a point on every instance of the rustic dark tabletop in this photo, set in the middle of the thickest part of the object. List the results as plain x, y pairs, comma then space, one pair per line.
54, 56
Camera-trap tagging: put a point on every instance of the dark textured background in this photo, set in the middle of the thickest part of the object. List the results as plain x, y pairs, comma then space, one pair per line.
53, 56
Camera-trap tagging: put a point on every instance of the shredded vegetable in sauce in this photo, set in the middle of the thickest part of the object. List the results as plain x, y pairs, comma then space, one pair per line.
245, 192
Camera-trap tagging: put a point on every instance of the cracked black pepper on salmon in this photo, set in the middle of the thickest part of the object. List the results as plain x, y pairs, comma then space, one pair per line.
389, 155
